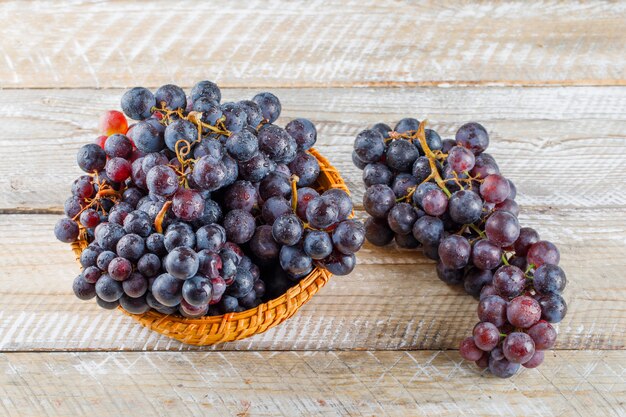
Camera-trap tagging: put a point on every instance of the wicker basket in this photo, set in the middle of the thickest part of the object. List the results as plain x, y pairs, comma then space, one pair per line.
235, 326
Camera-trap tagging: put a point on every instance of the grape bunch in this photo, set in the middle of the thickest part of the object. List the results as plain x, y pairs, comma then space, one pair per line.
202, 207
449, 198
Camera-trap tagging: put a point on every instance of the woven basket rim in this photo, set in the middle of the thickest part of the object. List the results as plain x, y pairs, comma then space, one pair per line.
318, 276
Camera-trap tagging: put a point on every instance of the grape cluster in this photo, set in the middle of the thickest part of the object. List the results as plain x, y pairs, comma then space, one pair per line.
448, 198
201, 207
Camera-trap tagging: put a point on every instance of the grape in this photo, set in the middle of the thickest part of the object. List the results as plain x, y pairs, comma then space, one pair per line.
369, 146
182, 130
206, 89
243, 283
486, 336
317, 244
461, 159
147, 137
306, 167
294, 261
255, 169
269, 105
433, 140
242, 146
287, 229
137, 103
473, 136
543, 252
339, 264
349, 236
89, 218
166, 289
82, 187
518, 347
553, 307
401, 218
484, 165
239, 226
149, 265
91, 158
475, 280
465, 207
179, 234
469, 351
73, 206
131, 247
305, 196
549, 279
275, 207
134, 305
543, 334
138, 222
210, 111
66, 230
108, 289
120, 269
253, 112
428, 230
162, 180
508, 205
486, 255
112, 122
275, 184
303, 131
263, 245
492, 309
341, 199
212, 213
421, 169
502, 228
448, 275
434, 202
209, 173
383, 128
401, 154
527, 236
502, 368
495, 188
108, 234
535, 361
357, 161
509, 281
118, 145
378, 200
211, 237
104, 259
403, 184
235, 117
407, 125
132, 195
377, 231
322, 212
209, 263
83, 289
487, 290
171, 97
523, 312
89, 256
197, 291
432, 252
187, 204
107, 305
377, 173
454, 251
182, 263
483, 362
135, 286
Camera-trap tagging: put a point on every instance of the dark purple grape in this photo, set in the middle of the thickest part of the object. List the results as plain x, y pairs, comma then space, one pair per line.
553, 307
406, 241
486, 255
369, 146
486, 336
235, 116
263, 245
303, 131
137, 103
239, 226
149, 265
495, 188
256, 168
465, 207
83, 289
305, 196
509, 281
492, 308
108, 234
147, 137
209, 173
484, 166
72, 206
206, 89
82, 187
106, 304
382, 128
139, 223
433, 140
428, 230
401, 218
543, 252
454, 251
339, 264
180, 130
469, 351
294, 261
402, 184
523, 312
317, 244
109, 289
473, 136
162, 180
170, 97
89, 255
341, 199
378, 200
91, 158
156, 244
242, 146
487, 290
357, 161
104, 259
475, 280
349, 236
211, 237
447, 144
166, 289
182, 263
401, 154
287, 229
306, 168
449, 276
132, 196
421, 169
118, 169
66, 230
135, 286
269, 105
502, 228
134, 305
276, 143
243, 283
229, 304
131, 247
508, 205
253, 113
120, 269
197, 291
518, 347
275, 207
407, 124
519, 262
322, 212
275, 184
377, 231
502, 368
118, 145
549, 279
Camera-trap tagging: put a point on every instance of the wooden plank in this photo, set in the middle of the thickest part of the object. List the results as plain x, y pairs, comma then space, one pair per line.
241, 384
562, 146
320, 43
393, 300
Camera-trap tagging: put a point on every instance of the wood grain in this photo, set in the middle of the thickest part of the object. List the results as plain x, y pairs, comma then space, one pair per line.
318, 43
393, 300
557, 144
242, 384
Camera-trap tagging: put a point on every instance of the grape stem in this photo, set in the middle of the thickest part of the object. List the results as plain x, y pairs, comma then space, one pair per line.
477, 230
158, 221
504, 260
294, 192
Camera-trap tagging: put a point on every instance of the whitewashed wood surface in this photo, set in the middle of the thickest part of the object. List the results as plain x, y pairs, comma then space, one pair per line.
547, 79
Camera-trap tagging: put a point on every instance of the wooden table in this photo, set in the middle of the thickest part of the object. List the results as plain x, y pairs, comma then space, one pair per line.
548, 80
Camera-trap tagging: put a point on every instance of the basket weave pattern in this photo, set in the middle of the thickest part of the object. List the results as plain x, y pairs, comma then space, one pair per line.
210, 330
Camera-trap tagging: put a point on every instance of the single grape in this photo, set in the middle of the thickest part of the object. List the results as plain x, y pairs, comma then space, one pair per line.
401, 218
180, 130
149, 265
209, 173
434, 202
473, 136
89, 256
377, 231
523, 312
407, 124
469, 351
104, 259
263, 245
342, 200
549, 279
108, 289
206, 89
349, 236
339, 264
448, 275
486, 255
107, 305
508, 205
134, 305
197, 291
66, 230
383, 128
518, 347
428, 230
287, 229
322, 212
82, 187
369, 146
166, 289
403, 183
275, 184
306, 168
305, 196
120, 269
378, 200
135, 286
401, 154
269, 104
454, 251
131, 247
465, 207
239, 226
211, 237
118, 145
182, 263
535, 361
502, 368
242, 146
147, 137
484, 166
492, 309
253, 112
407, 241
543, 252
179, 234
276, 143
461, 159
243, 283
187, 204
91, 158
275, 207
509, 281
137, 103
108, 234
138, 222
171, 97
475, 280
486, 336
487, 290
527, 236
162, 180
83, 289
421, 169
553, 307
303, 131
495, 188
295, 261
502, 228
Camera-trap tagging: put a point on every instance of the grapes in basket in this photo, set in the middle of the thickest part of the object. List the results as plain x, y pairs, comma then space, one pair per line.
449, 198
202, 207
